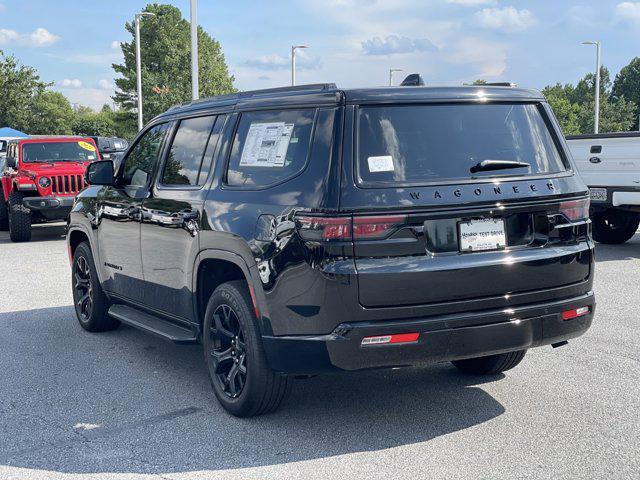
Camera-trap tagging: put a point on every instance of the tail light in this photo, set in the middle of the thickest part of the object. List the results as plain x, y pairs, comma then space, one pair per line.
387, 339
373, 228
347, 228
575, 313
575, 210
324, 228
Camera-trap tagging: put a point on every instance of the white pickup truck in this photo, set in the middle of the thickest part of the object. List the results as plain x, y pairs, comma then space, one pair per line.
609, 163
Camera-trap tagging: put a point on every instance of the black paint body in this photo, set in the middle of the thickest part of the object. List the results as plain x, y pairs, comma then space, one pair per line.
164, 250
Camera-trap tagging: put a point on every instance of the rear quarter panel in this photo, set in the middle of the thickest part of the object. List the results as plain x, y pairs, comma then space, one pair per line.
258, 225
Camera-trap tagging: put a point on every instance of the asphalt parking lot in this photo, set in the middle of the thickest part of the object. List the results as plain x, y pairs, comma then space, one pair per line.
126, 405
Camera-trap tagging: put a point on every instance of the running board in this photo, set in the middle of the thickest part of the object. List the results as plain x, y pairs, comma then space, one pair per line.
152, 324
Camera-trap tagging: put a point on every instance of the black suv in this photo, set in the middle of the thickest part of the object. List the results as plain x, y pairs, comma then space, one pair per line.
311, 229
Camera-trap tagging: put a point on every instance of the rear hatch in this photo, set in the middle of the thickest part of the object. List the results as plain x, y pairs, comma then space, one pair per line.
453, 202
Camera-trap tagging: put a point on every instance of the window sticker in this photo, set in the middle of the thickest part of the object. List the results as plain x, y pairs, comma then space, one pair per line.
266, 145
86, 146
381, 164
90, 157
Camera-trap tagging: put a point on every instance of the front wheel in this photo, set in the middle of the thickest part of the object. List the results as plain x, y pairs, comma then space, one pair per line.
614, 226
241, 379
491, 364
19, 218
89, 300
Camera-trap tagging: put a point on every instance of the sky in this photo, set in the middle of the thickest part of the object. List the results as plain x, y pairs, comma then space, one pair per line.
352, 43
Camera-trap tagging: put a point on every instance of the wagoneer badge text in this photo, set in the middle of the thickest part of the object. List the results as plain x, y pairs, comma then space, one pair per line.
478, 191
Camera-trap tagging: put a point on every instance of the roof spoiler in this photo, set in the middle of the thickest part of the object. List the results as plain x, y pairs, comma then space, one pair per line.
413, 80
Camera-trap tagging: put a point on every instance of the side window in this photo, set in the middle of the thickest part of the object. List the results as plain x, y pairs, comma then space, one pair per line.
11, 151
188, 151
270, 147
143, 157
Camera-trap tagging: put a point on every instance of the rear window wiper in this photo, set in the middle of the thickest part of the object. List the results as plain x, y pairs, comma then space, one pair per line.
487, 165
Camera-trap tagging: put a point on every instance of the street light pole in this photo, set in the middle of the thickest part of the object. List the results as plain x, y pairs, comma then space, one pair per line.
596, 123
194, 50
139, 66
293, 62
391, 71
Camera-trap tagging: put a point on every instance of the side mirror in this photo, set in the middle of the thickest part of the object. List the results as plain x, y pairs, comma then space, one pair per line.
11, 162
99, 173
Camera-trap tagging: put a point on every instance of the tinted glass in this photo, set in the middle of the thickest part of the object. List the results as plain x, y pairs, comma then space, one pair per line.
415, 144
143, 156
216, 133
270, 147
184, 161
75, 151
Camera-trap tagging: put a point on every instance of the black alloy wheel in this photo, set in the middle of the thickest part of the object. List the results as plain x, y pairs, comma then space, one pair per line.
240, 375
228, 351
83, 293
90, 302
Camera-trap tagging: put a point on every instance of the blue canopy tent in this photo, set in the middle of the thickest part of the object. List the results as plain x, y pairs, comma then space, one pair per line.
11, 132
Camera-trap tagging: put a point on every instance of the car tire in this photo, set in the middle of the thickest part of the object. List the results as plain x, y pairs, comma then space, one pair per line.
90, 302
614, 226
241, 379
4, 213
491, 364
19, 218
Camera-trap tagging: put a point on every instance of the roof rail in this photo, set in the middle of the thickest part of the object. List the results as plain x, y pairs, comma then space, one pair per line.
499, 84
253, 93
203, 100
292, 89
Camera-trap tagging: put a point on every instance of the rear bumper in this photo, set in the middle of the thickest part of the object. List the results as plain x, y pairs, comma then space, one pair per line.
445, 338
48, 203
625, 197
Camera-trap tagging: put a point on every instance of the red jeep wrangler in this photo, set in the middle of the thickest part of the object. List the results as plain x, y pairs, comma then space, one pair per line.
42, 176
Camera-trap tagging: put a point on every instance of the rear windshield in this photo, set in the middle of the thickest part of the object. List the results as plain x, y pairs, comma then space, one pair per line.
76, 151
433, 143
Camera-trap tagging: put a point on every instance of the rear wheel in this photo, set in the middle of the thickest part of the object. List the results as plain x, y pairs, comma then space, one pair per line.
89, 300
490, 365
19, 218
614, 226
4, 213
241, 379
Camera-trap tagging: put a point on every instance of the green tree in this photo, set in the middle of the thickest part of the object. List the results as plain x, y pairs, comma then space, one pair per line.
93, 124
19, 87
574, 106
615, 116
166, 63
51, 114
627, 84
125, 124
584, 90
566, 112
88, 122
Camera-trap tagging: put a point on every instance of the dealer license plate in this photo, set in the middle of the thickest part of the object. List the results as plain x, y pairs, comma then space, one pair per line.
598, 194
483, 234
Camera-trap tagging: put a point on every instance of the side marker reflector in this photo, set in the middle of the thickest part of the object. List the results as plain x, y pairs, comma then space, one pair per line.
575, 313
387, 339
